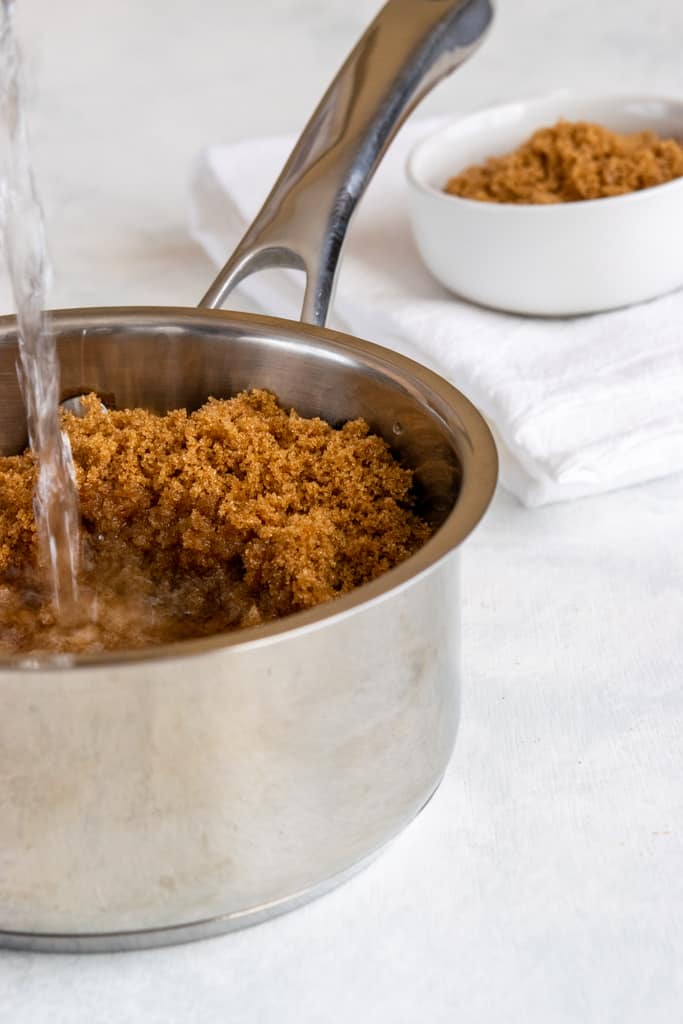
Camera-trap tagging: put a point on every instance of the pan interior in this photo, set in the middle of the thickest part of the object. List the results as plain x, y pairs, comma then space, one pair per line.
161, 361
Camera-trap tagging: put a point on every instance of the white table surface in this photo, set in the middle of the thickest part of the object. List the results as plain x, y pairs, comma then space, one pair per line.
543, 883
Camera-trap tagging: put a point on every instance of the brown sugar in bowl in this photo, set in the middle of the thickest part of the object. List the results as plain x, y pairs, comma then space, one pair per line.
551, 258
569, 162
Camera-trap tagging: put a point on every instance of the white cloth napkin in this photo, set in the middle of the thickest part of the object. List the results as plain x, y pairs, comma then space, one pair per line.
577, 406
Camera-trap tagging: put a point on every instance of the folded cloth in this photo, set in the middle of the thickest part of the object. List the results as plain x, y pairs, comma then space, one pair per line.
577, 406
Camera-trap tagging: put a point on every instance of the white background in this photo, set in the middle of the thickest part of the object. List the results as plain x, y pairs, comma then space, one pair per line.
543, 883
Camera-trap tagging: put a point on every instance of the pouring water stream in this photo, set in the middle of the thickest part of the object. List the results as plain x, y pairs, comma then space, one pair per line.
56, 497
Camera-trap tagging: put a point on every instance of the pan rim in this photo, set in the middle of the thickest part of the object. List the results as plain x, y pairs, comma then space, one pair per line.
477, 455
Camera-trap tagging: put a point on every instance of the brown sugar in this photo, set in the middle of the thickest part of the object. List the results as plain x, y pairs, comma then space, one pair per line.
569, 162
194, 523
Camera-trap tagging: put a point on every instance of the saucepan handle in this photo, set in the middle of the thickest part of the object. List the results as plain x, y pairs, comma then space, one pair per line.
407, 49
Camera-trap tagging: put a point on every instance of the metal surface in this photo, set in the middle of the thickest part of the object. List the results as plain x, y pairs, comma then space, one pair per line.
205, 785
128, 941
157, 796
410, 46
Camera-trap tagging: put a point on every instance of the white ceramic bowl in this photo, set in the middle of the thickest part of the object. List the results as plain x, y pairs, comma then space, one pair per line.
552, 260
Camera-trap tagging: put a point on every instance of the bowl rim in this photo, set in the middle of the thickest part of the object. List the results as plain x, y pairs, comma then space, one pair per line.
477, 484
453, 126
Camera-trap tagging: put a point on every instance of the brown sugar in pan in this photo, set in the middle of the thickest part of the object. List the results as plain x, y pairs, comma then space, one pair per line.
194, 523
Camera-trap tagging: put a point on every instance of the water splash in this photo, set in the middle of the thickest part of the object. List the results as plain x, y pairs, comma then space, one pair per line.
56, 497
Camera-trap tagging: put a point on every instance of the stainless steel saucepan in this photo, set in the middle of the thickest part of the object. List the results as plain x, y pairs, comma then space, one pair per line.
164, 795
